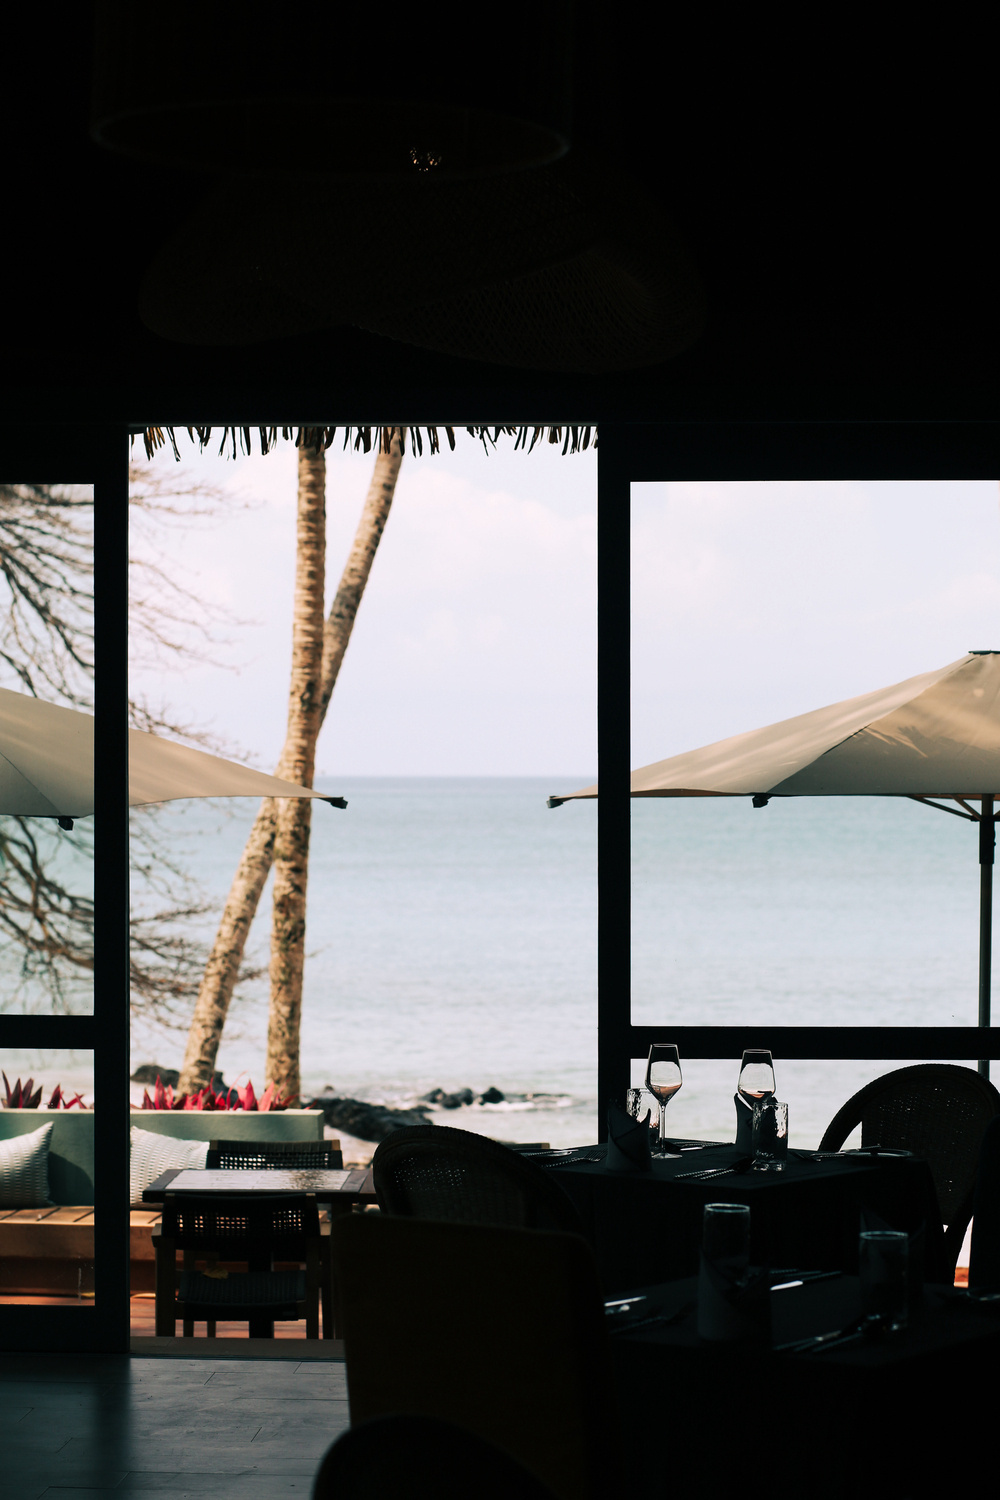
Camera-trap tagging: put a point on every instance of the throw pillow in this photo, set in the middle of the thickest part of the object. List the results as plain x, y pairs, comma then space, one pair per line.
153, 1153
24, 1170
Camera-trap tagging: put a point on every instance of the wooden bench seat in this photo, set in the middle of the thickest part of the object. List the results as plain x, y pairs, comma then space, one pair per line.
47, 1250
51, 1250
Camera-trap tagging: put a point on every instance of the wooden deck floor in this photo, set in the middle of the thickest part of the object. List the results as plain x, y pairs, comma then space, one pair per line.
143, 1324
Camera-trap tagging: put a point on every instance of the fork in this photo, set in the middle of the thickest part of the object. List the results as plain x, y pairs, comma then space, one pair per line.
650, 1318
570, 1161
707, 1173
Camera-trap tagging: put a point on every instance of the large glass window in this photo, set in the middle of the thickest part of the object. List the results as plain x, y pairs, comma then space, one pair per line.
451, 924
752, 603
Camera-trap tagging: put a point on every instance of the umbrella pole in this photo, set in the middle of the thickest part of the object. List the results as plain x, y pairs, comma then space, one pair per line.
987, 842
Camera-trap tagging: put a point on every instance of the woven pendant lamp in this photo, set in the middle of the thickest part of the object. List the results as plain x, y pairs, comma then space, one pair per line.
630, 296
334, 90
266, 258
567, 268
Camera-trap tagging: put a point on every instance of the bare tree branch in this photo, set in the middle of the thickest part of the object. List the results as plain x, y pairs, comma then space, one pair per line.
47, 649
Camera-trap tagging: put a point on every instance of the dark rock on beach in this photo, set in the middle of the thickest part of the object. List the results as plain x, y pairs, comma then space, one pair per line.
369, 1122
455, 1100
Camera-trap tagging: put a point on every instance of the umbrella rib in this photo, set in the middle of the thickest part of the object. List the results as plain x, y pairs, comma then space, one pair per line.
970, 816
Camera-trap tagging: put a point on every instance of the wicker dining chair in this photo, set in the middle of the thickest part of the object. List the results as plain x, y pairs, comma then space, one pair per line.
984, 1257
936, 1110
501, 1331
256, 1231
294, 1156
435, 1172
425, 1459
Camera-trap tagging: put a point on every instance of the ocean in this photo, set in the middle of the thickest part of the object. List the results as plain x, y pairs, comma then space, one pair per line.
452, 942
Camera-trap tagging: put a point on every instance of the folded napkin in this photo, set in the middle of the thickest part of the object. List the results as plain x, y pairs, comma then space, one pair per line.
734, 1306
744, 1124
628, 1142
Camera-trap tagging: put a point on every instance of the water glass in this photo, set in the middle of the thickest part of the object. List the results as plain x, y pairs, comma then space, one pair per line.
883, 1263
725, 1237
770, 1135
633, 1103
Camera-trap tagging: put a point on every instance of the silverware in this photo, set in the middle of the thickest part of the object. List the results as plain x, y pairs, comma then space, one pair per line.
570, 1161
867, 1326
614, 1326
707, 1174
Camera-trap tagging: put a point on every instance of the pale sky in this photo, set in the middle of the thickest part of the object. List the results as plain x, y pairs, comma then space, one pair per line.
474, 651
474, 648
754, 602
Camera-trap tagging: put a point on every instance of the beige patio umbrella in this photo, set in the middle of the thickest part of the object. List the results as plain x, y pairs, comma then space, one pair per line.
933, 736
47, 766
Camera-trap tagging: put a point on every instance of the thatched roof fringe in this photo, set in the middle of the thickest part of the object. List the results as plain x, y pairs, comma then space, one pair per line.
573, 439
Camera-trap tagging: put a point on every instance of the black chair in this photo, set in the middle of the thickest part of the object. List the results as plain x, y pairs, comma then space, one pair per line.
424, 1459
500, 1331
291, 1155
435, 1172
257, 1231
984, 1257
936, 1110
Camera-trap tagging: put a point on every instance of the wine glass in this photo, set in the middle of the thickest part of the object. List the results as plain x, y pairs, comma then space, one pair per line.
663, 1079
756, 1076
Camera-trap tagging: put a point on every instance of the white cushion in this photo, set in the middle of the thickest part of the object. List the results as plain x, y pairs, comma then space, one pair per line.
153, 1154
24, 1170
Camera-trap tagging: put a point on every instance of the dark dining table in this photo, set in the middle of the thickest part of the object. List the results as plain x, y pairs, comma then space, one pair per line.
645, 1226
336, 1188
901, 1414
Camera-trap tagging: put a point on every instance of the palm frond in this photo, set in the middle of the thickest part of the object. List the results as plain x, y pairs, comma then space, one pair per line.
240, 439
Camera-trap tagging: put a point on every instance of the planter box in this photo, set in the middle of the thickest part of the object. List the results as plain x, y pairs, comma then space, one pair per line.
71, 1148
232, 1125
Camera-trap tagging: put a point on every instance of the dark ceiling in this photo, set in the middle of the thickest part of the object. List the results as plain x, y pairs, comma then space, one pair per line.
836, 189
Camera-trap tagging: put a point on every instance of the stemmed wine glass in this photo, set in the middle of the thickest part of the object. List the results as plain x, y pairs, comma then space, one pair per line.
663, 1079
756, 1076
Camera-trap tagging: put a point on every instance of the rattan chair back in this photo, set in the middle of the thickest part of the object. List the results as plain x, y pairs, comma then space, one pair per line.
294, 1156
937, 1110
435, 1172
984, 1259
240, 1228
501, 1331
256, 1231
424, 1459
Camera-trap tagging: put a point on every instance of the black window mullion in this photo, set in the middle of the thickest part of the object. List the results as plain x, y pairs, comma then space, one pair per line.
111, 894
614, 756
824, 1043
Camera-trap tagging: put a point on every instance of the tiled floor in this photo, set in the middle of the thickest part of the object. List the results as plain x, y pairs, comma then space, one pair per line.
75, 1427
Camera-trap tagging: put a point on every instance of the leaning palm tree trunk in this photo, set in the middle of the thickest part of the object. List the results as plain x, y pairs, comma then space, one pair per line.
291, 840
223, 967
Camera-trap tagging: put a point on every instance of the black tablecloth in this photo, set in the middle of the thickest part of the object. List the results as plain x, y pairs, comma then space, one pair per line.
898, 1416
646, 1226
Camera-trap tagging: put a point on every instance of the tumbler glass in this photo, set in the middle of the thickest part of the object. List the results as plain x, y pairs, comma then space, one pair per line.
883, 1263
725, 1236
770, 1135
